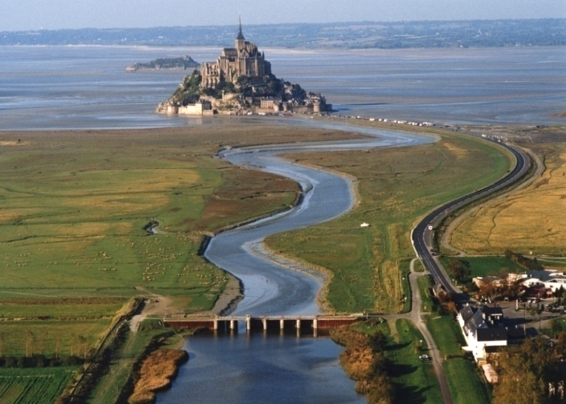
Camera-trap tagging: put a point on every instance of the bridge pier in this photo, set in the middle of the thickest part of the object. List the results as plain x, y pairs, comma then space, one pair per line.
264, 323
248, 323
233, 324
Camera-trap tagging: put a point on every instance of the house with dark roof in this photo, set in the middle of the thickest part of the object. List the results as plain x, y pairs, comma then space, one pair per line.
483, 329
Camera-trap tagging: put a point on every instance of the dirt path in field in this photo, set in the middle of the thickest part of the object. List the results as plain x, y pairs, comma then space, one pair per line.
155, 305
415, 316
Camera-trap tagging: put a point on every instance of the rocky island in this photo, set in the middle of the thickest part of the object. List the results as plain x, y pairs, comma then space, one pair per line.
240, 82
184, 62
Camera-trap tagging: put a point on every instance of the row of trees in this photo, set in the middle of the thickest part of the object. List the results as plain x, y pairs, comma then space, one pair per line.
528, 263
35, 346
39, 361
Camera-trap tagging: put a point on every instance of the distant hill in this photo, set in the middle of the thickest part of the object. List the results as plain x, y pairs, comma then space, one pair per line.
384, 35
184, 63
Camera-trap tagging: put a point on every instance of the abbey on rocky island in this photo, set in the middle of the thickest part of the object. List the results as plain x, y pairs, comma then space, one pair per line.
240, 82
242, 60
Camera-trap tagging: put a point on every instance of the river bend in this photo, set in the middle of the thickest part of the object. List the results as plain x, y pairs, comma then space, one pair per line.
247, 368
269, 287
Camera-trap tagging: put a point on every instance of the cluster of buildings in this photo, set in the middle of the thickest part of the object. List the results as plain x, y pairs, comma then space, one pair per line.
312, 103
485, 328
538, 284
245, 60
546, 282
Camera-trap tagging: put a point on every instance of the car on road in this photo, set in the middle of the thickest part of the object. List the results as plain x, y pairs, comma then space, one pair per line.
424, 357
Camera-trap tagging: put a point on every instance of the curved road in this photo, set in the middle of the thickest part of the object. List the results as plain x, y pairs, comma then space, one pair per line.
423, 233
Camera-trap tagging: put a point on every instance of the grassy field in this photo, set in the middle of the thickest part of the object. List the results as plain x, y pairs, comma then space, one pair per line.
414, 379
489, 265
446, 334
396, 187
73, 207
466, 385
33, 386
528, 221
59, 308
61, 337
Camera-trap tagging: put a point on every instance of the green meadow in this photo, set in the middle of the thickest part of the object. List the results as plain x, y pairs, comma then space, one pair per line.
74, 206
396, 187
414, 379
73, 211
464, 379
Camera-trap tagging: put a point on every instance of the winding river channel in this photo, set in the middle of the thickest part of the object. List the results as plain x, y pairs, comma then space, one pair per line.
249, 368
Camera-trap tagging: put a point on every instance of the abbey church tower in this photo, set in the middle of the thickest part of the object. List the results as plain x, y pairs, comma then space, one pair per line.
240, 40
242, 60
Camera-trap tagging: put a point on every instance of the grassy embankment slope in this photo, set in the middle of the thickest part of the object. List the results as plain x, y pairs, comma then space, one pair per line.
73, 207
396, 187
531, 220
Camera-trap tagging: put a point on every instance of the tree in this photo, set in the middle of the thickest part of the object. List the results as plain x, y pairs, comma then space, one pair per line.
487, 290
525, 372
518, 385
560, 345
460, 270
535, 310
557, 327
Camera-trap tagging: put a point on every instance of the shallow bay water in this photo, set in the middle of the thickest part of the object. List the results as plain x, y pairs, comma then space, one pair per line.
86, 87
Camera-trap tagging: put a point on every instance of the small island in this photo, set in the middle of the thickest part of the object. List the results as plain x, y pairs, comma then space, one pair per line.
184, 62
240, 82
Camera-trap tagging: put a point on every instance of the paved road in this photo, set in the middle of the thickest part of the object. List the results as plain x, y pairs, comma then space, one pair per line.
422, 236
423, 233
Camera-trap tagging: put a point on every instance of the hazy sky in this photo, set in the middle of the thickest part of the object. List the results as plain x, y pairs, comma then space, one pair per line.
18, 15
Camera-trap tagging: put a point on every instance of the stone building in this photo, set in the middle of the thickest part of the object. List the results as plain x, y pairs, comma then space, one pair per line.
242, 60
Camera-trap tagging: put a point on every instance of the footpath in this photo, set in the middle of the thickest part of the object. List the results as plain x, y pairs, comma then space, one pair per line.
415, 315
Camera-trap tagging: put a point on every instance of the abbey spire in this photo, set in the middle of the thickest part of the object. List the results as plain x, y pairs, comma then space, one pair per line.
240, 36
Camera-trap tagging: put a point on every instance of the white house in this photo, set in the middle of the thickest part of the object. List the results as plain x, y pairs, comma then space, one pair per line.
482, 329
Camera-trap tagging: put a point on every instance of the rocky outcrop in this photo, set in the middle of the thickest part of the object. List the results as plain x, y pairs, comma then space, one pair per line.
182, 63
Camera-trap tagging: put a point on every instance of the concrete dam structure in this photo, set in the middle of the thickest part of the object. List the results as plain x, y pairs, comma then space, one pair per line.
302, 324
